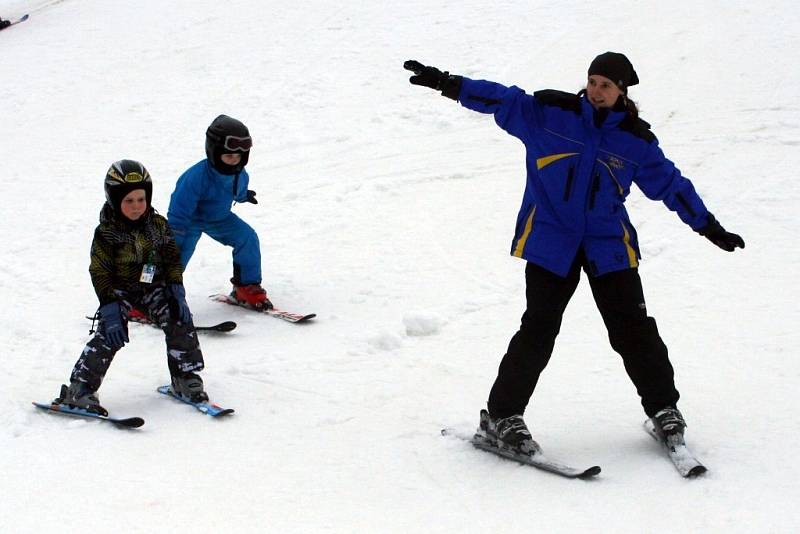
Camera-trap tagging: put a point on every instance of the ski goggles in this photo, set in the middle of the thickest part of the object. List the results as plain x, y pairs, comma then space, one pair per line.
238, 144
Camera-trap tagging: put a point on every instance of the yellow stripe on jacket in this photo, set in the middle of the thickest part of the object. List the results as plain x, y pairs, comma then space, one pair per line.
547, 160
525, 234
626, 238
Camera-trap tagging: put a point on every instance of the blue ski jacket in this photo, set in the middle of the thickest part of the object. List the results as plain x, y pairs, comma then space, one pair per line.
579, 171
204, 195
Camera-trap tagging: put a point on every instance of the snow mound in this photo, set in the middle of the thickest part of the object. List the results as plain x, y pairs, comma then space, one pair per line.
422, 323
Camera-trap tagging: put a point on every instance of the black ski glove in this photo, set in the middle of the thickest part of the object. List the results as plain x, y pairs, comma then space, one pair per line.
251, 197
426, 76
714, 232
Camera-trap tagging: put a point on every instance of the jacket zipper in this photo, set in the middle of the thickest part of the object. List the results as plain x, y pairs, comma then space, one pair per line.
595, 189
568, 187
235, 186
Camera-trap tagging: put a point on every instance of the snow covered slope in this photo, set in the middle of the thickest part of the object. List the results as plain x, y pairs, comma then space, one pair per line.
389, 211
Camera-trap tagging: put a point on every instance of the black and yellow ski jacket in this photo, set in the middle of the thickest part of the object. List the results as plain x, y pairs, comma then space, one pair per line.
122, 248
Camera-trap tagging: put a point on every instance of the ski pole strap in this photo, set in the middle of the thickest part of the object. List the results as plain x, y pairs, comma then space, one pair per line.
95, 318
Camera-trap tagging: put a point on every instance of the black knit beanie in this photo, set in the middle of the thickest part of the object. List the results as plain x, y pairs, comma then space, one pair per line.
616, 67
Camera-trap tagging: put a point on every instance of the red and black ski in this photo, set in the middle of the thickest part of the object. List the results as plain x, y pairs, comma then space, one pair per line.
274, 312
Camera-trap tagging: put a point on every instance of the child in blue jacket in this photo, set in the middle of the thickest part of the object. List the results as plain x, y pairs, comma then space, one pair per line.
201, 204
583, 153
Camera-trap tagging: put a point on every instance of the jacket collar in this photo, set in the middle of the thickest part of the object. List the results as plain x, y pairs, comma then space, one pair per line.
214, 173
604, 119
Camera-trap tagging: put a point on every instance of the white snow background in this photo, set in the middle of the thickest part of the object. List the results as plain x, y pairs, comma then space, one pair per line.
388, 211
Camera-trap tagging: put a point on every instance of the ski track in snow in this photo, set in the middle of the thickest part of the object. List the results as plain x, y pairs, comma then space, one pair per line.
388, 211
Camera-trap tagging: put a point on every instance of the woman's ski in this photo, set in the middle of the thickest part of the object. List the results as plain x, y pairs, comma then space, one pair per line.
685, 462
537, 460
23, 18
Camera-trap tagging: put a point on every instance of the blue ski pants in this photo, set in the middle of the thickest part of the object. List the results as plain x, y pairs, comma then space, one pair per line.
231, 232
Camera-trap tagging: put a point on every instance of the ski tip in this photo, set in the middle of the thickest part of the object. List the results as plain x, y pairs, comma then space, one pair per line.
222, 327
591, 472
130, 422
295, 318
696, 471
51, 406
451, 431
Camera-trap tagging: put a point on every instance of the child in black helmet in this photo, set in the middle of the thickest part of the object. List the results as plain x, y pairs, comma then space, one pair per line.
135, 262
201, 204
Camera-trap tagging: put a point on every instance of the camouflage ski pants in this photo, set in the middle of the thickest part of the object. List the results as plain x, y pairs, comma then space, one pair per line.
183, 349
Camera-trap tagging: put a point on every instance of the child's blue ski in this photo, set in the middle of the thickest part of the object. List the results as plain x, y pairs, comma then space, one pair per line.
128, 422
207, 408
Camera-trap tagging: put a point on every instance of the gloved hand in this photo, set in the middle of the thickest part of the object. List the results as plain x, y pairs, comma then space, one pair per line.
251, 197
178, 293
113, 327
714, 232
425, 76
449, 85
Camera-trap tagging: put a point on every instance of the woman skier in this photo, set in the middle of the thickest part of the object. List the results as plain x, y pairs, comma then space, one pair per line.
583, 153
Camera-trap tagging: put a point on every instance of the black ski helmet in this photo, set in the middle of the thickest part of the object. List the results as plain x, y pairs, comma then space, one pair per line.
123, 177
227, 135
